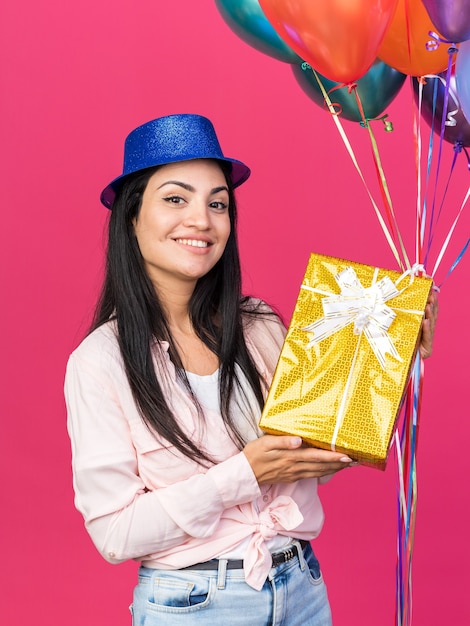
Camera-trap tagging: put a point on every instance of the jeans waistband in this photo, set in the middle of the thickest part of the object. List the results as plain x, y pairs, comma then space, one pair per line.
221, 567
283, 556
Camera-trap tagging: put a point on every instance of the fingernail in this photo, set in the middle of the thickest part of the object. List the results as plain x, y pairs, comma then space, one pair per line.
345, 459
296, 441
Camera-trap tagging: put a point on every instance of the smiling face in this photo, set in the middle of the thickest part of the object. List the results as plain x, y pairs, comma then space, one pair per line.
183, 224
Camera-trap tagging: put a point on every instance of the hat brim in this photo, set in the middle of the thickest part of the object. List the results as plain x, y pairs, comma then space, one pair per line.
239, 174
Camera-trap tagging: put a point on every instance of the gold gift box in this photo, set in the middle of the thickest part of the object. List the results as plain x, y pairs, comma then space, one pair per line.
347, 357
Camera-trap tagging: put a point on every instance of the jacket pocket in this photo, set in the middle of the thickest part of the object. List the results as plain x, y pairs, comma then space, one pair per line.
160, 464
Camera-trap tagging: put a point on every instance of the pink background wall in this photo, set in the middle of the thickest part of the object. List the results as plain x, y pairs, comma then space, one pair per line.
76, 78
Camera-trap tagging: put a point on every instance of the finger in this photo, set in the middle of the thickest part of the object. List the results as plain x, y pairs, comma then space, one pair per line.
432, 306
310, 454
308, 470
426, 345
281, 442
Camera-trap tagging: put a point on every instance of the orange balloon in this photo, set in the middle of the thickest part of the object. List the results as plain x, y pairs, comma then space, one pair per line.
404, 44
339, 38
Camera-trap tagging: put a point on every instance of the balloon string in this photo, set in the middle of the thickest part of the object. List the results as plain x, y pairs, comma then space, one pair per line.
415, 405
457, 151
428, 169
378, 168
402, 521
358, 169
386, 194
421, 217
420, 214
406, 445
452, 50
436, 40
456, 262
387, 200
450, 233
400, 564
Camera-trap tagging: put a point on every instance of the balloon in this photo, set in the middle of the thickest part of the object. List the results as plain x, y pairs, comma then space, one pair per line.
404, 44
247, 20
453, 134
376, 89
339, 38
450, 17
462, 77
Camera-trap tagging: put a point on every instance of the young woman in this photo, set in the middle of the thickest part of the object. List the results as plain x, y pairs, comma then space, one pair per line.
164, 397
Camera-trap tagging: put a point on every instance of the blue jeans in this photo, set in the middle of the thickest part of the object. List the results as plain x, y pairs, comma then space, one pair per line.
294, 594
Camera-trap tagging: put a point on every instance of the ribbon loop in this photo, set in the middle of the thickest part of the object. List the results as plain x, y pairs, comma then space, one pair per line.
362, 306
436, 41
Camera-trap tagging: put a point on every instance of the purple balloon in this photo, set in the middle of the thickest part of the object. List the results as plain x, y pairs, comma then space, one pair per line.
462, 77
436, 85
450, 17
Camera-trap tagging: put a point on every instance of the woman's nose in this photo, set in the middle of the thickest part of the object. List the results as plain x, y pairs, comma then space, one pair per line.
197, 214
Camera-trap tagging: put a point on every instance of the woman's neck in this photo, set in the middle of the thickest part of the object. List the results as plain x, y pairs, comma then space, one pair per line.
195, 356
175, 302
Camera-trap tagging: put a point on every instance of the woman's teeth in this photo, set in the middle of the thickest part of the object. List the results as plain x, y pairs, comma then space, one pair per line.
197, 243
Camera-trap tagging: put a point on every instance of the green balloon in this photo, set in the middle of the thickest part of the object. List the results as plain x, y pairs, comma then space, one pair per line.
376, 89
247, 20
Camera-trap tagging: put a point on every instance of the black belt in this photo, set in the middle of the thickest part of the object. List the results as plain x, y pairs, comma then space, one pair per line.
279, 558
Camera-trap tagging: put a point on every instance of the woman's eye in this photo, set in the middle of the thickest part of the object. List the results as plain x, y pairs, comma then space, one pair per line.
174, 199
220, 206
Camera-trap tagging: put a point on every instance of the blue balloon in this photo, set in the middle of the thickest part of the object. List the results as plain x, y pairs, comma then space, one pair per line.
247, 20
376, 90
462, 77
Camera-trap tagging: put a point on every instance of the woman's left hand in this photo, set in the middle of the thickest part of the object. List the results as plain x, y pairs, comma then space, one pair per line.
429, 325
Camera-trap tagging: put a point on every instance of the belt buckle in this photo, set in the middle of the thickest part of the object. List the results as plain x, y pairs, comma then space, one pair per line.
285, 555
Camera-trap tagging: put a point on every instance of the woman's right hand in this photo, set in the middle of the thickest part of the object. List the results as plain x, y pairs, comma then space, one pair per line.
284, 459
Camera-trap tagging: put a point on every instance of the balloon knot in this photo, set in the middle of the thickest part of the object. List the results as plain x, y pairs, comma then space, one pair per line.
351, 86
388, 126
306, 66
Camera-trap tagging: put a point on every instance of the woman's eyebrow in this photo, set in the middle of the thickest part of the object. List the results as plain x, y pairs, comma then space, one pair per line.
191, 188
219, 189
179, 183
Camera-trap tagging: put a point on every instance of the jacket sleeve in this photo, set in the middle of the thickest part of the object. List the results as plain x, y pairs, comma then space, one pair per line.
125, 519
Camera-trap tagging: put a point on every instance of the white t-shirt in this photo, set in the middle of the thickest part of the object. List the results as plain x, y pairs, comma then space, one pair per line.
206, 390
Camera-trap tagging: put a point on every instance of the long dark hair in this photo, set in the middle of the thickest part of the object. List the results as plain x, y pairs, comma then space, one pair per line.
216, 310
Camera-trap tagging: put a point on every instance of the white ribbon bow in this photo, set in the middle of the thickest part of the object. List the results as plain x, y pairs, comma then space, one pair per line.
363, 306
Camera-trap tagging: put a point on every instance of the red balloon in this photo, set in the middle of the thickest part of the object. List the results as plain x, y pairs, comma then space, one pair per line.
339, 38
